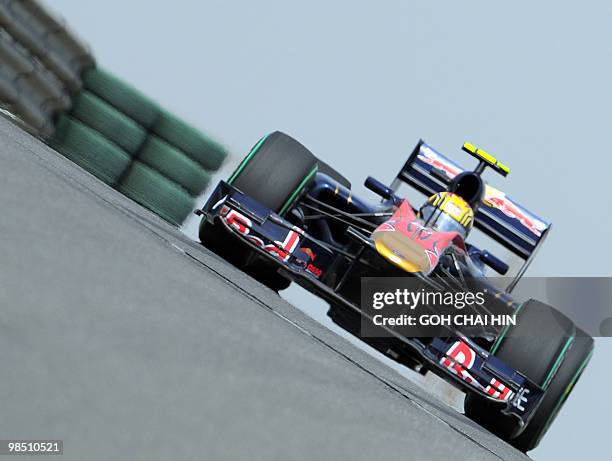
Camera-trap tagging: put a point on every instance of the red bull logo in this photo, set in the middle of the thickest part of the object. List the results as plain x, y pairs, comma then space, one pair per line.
497, 199
308, 252
431, 158
460, 358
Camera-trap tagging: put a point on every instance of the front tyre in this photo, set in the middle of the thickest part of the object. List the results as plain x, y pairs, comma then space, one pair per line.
275, 173
561, 386
548, 349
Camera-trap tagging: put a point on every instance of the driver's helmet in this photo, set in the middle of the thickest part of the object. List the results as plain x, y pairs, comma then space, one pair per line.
447, 212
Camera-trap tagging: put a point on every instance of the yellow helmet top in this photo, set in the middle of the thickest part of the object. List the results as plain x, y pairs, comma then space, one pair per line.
451, 205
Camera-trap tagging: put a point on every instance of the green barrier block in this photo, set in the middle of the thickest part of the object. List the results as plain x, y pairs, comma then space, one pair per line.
199, 147
157, 193
175, 165
102, 117
122, 96
90, 150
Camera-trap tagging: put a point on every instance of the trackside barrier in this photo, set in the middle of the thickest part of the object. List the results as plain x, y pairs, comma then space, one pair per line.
50, 84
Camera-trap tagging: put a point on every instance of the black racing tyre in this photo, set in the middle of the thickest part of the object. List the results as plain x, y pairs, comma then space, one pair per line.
89, 149
541, 332
157, 193
174, 164
184, 137
562, 384
122, 96
274, 173
332, 173
102, 117
545, 347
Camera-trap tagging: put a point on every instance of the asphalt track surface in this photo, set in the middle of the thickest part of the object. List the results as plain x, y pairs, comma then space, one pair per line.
127, 340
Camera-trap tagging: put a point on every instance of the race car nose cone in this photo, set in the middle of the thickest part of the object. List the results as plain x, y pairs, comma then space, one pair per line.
402, 251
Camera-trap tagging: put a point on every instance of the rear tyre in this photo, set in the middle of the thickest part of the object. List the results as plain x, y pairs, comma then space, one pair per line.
548, 349
275, 172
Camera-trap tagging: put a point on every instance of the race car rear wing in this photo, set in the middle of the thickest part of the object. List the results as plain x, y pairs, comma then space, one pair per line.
500, 217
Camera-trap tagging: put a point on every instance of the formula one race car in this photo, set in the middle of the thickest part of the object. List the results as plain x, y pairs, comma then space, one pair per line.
285, 216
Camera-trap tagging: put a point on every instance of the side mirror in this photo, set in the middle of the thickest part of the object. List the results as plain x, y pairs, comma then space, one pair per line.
379, 188
493, 262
